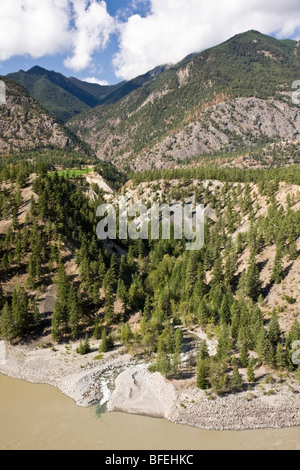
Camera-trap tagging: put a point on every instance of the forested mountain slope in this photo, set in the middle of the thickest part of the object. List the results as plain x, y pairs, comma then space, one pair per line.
66, 97
230, 98
154, 298
25, 125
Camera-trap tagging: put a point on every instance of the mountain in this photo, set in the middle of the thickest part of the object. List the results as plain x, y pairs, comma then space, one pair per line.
66, 97
25, 125
232, 97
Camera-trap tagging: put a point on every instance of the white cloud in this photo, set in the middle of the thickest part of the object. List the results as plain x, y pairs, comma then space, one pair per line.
96, 80
93, 26
43, 27
175, 28
34, 27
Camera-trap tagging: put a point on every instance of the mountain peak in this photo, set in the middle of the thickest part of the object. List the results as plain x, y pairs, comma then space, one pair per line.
37, 70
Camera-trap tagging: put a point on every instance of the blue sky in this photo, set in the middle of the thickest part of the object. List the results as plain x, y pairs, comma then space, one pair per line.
108, 41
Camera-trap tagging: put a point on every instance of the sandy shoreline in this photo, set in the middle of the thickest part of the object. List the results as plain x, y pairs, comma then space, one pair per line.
124, 384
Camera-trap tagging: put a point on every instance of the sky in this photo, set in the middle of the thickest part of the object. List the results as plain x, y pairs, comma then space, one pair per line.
108, 41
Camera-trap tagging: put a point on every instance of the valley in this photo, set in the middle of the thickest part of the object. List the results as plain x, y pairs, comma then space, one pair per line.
206, 338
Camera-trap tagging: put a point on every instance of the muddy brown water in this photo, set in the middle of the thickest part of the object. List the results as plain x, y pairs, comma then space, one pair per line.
40, 417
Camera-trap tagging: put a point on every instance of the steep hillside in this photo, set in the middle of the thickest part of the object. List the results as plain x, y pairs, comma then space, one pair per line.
220, 324
233, 96
25, 125
66, 97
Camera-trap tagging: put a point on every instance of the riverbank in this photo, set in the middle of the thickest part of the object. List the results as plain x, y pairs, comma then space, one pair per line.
126, 385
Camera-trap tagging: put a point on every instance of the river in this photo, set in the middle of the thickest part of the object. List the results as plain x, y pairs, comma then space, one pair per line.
40, 417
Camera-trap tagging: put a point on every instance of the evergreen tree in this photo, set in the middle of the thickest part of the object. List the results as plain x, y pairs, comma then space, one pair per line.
203, 352
20, 311
97, 330
163, 364
122, 294
217, 276
203, 374
74, 311
202, 313
178, 340
280, 357
244, 355
126, 334
106, 342
7, 323
224, 344
293, 335
109, 306
236, 383
224, 311
250, 371
274, 331
84, 347
166, 340
136, 295
175, 365
252, 281
218, 377
278, 271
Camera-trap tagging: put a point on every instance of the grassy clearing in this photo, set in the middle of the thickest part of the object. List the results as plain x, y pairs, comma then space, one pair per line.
73, 172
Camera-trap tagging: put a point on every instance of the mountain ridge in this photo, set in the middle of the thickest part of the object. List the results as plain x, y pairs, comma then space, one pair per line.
249, 65
66, 97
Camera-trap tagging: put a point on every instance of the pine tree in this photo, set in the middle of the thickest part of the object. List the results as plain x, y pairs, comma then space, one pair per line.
236, 383
217, 276
84, 347
97, 330
136, 295
30, 283
7, 323
104, 343
178, 340
166, 340
203, 313
109, 306
203, 352
250, 371
175, 365
278, 271
163, 364
126, 334
20, 311
148, 308
217, 377
244, 355
280, 357
224, 311
122, 294
293, 335
252, 281
274, 331
224, 344
74, 312
203, 374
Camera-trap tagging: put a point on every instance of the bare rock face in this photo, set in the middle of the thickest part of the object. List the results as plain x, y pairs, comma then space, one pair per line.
25, 125
223, 126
